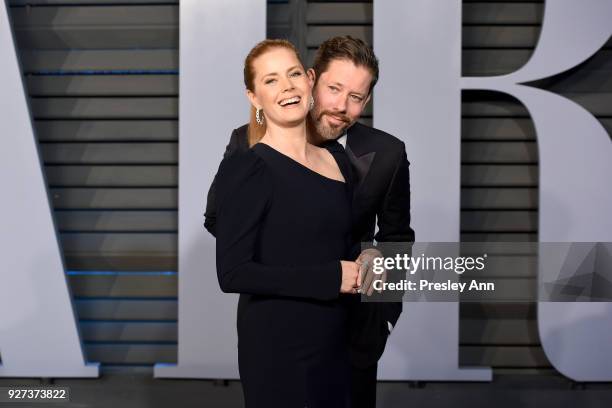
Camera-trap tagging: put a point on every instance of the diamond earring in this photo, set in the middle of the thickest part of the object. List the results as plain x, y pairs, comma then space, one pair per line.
258, 117
311, 103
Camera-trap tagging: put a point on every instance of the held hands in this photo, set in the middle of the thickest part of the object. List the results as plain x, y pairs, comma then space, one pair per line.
366, 270
351, 278
359, 276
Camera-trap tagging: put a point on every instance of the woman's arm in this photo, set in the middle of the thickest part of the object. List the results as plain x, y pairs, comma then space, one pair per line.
238, 141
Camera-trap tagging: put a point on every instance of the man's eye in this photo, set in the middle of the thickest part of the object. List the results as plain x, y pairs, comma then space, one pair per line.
357, 98
333, 88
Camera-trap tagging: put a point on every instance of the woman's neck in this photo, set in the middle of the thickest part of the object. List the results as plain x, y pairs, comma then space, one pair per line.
291, 141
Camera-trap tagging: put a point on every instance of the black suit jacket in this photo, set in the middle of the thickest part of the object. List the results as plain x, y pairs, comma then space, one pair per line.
381, 195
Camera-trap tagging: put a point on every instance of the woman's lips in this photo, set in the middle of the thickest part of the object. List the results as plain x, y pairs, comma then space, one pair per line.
291, 106
294, 100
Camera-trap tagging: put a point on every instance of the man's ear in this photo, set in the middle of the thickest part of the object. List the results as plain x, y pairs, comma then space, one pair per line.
312, 75
253, 99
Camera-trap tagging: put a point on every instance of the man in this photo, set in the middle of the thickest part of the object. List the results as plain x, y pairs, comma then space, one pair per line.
345, 71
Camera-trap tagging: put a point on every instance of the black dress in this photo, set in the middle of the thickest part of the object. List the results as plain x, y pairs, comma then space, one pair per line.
282, 230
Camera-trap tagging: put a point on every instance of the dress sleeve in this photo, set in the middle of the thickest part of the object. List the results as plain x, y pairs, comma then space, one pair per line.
244, 193
238, 141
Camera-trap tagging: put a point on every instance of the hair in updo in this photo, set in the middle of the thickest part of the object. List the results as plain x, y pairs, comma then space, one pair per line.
257, 131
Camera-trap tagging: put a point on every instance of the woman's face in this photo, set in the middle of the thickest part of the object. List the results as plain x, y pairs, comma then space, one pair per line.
281, 87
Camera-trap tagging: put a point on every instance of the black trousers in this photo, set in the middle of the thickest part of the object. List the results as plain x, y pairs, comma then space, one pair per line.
363, 386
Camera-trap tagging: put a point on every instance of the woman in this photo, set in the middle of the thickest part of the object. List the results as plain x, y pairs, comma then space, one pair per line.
283, 232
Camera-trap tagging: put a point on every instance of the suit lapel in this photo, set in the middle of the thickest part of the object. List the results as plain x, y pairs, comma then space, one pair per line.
360, 157
361, 164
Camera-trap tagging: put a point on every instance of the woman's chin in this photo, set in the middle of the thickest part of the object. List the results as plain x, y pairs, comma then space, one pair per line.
291, 119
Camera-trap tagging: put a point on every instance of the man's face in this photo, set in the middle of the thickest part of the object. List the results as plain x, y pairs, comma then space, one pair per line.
341, 93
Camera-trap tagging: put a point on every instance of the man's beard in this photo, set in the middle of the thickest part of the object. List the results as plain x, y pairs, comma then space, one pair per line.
326, 131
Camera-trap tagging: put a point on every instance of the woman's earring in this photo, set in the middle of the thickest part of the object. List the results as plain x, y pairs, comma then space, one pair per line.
258, 117
311, 103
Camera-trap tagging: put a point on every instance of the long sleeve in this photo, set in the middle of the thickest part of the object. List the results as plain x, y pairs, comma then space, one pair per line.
244, 193
394, 226
238, 141
394, 215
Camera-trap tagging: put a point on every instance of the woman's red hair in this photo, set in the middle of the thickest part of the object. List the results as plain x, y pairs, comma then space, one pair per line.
257, 131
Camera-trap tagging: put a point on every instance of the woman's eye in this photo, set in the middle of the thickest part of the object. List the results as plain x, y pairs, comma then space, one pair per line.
296, 73
269, 81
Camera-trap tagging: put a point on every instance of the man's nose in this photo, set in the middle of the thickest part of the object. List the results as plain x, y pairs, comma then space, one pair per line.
340, 104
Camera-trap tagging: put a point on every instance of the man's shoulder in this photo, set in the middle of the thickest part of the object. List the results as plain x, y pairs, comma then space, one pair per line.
375, 138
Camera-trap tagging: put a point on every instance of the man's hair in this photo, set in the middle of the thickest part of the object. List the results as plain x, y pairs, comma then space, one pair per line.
346, 48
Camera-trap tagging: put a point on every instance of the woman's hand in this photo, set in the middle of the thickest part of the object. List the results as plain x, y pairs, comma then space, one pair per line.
351, 279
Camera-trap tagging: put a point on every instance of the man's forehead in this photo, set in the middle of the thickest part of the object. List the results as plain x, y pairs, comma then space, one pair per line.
346, 73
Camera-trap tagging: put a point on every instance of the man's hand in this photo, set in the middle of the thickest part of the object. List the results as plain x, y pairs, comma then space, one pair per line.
366, 270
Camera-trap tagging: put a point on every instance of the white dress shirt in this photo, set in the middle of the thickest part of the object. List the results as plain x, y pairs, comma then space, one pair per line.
342, 140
